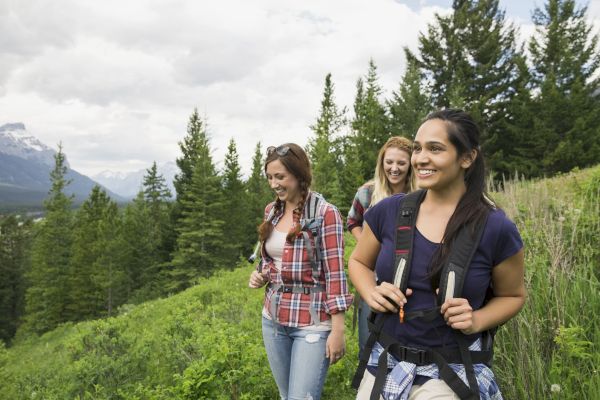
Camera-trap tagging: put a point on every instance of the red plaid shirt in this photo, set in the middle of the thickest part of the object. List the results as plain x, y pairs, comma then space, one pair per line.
296, 270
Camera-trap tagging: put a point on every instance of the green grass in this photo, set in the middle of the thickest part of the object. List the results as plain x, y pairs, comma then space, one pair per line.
206, 342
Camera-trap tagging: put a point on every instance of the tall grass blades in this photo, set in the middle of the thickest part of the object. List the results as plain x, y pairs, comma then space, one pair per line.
550, 350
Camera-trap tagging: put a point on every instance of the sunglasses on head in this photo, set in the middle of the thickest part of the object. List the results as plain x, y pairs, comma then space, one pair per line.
280, 150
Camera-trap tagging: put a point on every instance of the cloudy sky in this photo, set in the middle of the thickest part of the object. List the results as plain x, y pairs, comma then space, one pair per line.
115, 81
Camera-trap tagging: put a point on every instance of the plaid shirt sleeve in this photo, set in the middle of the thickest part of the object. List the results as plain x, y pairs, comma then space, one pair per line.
332, 246
361, 202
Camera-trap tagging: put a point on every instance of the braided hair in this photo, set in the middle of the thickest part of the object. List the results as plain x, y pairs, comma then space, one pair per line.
296, 162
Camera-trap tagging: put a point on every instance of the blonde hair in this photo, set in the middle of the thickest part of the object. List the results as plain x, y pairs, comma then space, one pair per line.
380, 183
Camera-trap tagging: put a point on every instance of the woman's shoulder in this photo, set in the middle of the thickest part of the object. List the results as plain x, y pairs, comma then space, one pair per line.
391, 201
367, 186
500, 228
366, 190
498, 220
385, 209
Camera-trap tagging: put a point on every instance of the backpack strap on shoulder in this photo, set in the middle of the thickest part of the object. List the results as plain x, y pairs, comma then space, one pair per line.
406, 220
455, 271
310, 223
405, 223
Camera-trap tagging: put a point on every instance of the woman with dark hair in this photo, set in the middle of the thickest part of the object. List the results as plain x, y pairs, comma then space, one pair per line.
393, 175
302, 264
443, 355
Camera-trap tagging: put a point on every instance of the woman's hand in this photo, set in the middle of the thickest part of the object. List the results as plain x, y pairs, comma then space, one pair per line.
336, 346
381, 298
458, 313
257, 280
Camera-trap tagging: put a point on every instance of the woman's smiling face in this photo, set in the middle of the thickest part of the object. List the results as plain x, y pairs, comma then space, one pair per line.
396, 163
435, 159
284, 184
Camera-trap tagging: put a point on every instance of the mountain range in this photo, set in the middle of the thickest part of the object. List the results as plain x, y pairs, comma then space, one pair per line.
128, 184
25, 165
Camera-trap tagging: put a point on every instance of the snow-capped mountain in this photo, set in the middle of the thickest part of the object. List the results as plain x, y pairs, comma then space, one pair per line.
129, 184
16, 141
25, 165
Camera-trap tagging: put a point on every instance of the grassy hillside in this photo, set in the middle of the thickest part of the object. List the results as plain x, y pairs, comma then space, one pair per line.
206, 341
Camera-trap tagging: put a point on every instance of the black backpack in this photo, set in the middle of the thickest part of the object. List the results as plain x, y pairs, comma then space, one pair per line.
451, 285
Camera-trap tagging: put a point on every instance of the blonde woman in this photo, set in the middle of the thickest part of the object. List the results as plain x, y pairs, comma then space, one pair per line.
393, 175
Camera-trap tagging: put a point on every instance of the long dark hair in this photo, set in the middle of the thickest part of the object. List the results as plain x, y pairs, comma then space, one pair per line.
295, 160
474, 204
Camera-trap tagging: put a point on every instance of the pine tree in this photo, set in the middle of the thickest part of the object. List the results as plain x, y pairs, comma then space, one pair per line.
566, 111
14, 243
258, 193
186, 163
236, 203
324, 148
47, 296
195, 130
157, 196
200, 243
96, 278
410, 104
139, 248
370, 126
470, 60
155, 189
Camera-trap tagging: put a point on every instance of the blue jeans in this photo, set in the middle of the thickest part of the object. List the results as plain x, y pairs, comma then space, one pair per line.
297, 360
363, 326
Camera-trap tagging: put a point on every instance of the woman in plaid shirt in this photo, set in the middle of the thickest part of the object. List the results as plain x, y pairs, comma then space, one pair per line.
306, 297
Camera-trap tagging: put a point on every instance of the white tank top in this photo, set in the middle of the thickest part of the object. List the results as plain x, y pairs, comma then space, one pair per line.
274, 246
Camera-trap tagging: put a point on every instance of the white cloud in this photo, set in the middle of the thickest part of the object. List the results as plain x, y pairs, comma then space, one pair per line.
116, 81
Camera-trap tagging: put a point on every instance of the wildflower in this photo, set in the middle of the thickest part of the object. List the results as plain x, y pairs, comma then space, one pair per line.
555, 388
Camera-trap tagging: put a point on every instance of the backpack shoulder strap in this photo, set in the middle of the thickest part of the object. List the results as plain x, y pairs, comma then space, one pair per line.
310, 223
405, 225
454, 272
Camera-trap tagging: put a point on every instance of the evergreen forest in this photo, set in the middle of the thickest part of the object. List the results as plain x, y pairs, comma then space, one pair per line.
89, 297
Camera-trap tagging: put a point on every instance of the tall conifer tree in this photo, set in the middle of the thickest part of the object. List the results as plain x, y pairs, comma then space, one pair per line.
370, 126
566, 112
258, 192
324, 148
470, 60
47, 296
410, 104
96, 278
235, 202
140, 246
157, 197
200, 244
196, 128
